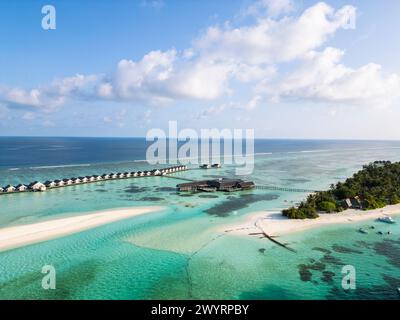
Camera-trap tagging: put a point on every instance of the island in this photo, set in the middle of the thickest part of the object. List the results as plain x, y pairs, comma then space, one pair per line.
375, 186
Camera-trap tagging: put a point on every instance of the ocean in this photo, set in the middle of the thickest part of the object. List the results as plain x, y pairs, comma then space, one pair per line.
180, 252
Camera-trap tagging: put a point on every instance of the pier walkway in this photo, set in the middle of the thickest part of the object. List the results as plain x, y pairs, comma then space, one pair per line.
287, 189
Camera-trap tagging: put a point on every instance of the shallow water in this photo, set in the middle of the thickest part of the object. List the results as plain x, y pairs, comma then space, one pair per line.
178, 253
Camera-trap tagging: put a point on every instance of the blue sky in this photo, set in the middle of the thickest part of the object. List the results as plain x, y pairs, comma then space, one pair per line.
287, 68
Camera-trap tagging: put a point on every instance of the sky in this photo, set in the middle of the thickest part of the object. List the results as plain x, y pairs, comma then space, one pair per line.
285, 68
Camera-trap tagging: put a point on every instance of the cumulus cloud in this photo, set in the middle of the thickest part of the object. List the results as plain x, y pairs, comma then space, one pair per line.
271, 41
249, 55
322, 77
49, 97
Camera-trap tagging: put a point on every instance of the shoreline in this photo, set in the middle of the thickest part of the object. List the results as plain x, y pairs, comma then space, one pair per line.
23, 235
274, 224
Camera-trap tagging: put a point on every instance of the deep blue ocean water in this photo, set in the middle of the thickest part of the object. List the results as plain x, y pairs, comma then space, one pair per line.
20, 152
181, 252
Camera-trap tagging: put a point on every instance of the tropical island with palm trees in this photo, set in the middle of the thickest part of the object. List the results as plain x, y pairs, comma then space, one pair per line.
375, 186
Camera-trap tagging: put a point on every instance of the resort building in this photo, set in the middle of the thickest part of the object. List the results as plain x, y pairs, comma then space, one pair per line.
216, 165
226, 185
9, 188
59, 183
68, 182
50, 184
21, 188
98, 178
76, 180
134, 174
1, 190
156, 172
37, 186
113, 176
120, 175
83, 179
205, 166
105, 176
140, 173
352, 203
127, 174
90, 178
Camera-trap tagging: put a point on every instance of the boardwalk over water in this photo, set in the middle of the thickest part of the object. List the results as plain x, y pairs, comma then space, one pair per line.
286, 189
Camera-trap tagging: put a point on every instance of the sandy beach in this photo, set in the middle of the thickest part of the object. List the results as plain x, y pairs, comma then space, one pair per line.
274, 224
18, 236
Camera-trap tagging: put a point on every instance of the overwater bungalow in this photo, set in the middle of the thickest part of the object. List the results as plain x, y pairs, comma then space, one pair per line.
91, 178
105, 176
140, 174
9, 188
127, 174
21, 188
113, 175
147, 173
76, 180
83, 179
2, 190
97, 178
67, 182
50, 184
37, 186
120, 175
156, 172
134, 174
59, 183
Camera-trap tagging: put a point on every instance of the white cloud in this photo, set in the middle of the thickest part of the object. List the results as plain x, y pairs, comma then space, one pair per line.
322, 77
273, 41
47, 98
249, 55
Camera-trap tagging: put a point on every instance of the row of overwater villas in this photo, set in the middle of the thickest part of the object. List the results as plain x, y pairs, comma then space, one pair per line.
38, 186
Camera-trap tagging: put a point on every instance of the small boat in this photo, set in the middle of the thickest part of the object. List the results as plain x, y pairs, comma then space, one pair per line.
380, 232
386, 220
361, 230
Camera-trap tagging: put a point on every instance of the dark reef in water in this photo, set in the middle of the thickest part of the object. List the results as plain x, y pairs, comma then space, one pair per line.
342, 249
165, 189
236, 203
305, 270
330, 259
208, 196
327, 276
151, 199
321, 250
135, 189
390, 249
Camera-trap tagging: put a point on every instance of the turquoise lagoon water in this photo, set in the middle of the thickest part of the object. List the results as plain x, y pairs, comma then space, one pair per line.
180, 252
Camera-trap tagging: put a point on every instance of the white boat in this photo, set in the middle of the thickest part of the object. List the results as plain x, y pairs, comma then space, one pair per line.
386, 219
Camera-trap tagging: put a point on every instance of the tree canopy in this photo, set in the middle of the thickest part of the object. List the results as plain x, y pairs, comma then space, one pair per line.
376, 185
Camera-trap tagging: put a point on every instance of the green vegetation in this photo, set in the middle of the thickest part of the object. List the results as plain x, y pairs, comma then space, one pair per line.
375, 186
